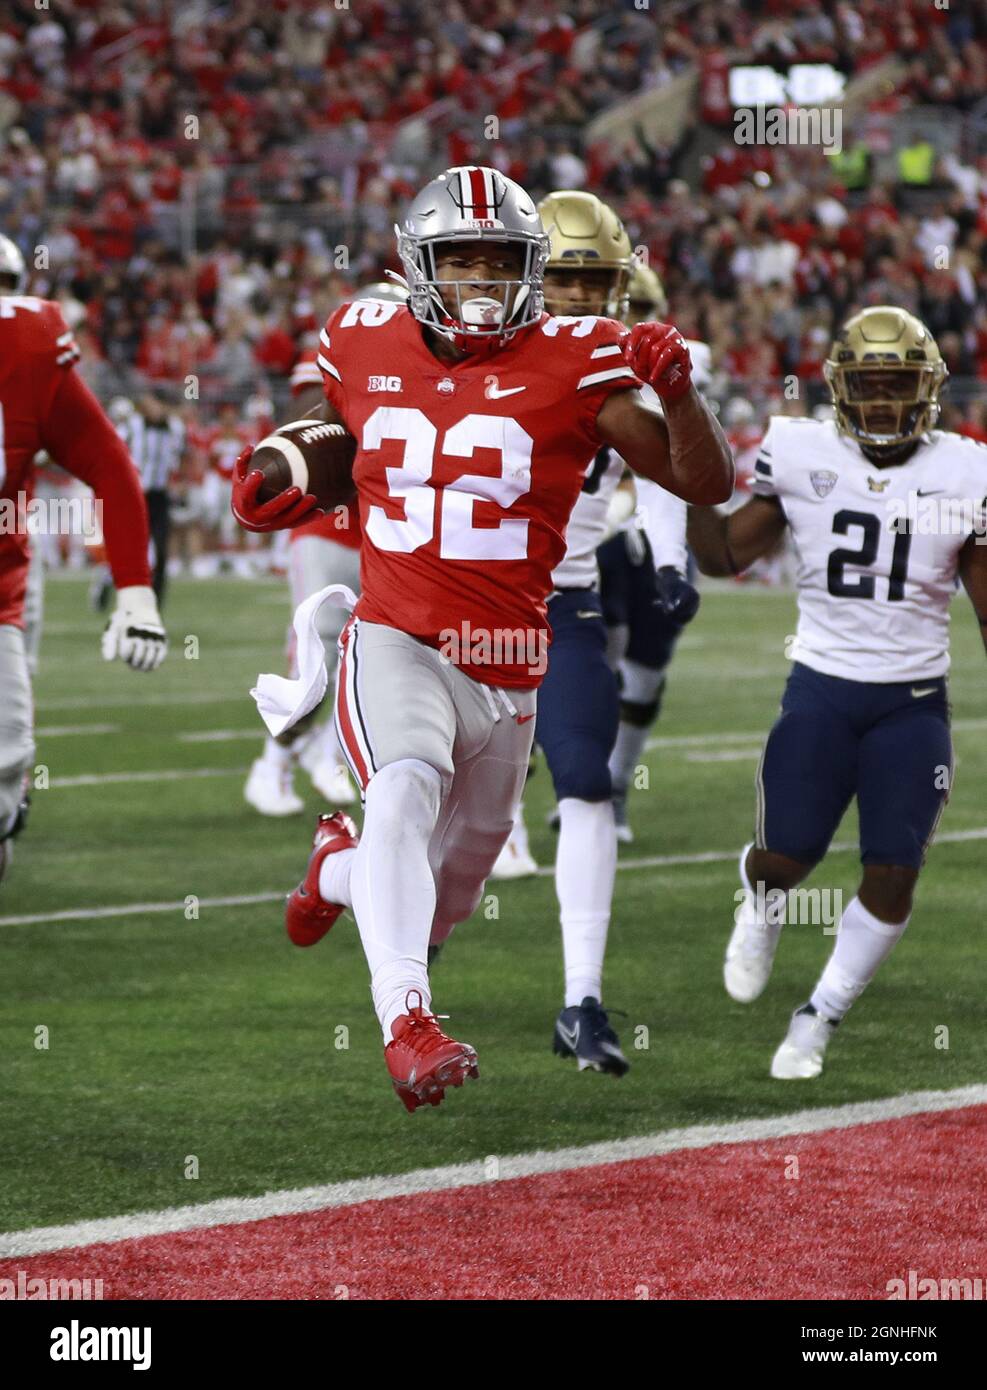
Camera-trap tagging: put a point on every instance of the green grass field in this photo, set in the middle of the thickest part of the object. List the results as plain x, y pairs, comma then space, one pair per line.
171, 1036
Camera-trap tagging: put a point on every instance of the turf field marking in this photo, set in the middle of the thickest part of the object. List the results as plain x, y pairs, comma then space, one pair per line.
724, 755
242, 1210
85, 914
174, 774
653, 861
220, 735
703, 740
69, 730
203, 697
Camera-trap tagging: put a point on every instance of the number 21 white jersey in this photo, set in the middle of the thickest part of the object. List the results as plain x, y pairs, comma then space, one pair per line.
877, 548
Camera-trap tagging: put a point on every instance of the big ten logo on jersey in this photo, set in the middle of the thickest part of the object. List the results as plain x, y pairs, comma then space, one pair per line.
370, 313
384, 383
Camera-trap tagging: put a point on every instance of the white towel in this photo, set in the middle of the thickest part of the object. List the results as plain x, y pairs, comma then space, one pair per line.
282, 702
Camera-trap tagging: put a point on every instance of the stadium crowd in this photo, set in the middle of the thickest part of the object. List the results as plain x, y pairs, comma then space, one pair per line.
200, 185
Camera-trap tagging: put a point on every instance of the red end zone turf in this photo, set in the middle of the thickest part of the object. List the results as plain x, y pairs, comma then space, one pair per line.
868, 1204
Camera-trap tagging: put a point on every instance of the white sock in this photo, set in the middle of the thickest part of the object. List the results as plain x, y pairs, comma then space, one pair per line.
585, 869
639, 685
391, 886
764, 915
862, 943
278, 755
326, 743
334, 878
628, 754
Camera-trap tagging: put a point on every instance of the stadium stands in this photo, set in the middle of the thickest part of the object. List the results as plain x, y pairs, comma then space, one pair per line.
200, 186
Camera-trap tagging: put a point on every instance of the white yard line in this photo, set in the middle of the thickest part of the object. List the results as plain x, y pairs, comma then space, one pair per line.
652, 861
222, 735
290, 1202
88, 914
724, 755
173, 774
70, 730
137, 700
705, 740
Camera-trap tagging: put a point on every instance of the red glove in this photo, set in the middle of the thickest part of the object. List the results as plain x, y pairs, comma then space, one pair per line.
656, 353
290, 508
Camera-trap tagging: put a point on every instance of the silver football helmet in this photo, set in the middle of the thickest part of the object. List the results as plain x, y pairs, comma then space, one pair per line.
473, 203
13, 272
391, 291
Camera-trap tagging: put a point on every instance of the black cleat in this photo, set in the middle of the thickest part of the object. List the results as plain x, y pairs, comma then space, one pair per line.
583, 1031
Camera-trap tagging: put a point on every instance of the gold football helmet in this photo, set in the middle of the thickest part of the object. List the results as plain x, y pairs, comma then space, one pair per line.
585, 234
647, 294
885, 372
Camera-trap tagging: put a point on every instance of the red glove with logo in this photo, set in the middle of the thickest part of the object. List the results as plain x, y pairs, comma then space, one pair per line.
290, 508
656, 353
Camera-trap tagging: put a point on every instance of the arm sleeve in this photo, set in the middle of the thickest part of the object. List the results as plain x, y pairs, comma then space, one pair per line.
664, 516
81, 439
602, 371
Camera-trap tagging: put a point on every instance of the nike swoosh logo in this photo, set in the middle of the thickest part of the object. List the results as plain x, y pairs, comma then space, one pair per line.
523, 718
930, 690
930, 492
588, 613
494, 393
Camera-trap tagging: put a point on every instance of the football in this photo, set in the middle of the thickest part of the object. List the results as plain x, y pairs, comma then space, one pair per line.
310, 454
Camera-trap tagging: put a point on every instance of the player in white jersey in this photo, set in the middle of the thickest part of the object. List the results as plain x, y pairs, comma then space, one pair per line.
647, 596
885, 512
606, 503
588, 272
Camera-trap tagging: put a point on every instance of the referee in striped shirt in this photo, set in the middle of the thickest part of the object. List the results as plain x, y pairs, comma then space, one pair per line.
156, 440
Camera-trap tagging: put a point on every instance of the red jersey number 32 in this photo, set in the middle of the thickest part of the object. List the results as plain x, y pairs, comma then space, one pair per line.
459, 539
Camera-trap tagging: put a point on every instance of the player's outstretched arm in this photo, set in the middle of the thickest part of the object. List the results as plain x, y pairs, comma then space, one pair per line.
685, 450
80, 437
725, 545
973, 572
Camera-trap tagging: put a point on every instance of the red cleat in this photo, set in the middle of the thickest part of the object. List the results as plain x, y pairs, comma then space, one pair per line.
423, 1061
308, 916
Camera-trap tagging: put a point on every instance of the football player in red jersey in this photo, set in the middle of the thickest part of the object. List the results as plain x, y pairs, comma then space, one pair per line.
45, 405
476, 416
